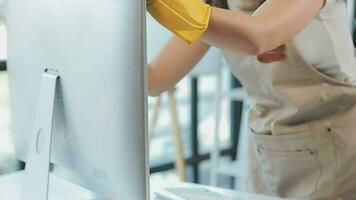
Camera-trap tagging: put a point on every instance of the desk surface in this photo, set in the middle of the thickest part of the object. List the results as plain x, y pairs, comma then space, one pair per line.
10, 187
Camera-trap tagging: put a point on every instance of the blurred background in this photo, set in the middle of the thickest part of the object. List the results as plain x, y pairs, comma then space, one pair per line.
187, 136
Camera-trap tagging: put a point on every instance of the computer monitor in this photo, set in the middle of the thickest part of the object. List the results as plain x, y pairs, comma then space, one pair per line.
98, 49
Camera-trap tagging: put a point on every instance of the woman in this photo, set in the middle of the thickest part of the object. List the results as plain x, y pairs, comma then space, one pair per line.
302, 140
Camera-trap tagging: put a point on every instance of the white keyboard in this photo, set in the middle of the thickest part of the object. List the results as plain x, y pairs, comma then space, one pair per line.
191, 193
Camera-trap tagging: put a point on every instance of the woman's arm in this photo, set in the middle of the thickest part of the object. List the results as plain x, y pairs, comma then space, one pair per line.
175, 61
178, 58
273, 24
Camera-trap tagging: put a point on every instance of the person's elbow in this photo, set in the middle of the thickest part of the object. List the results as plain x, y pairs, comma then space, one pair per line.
252, 46
261, 41
258, 46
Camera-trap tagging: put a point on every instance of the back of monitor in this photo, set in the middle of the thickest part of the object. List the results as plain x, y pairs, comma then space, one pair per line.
100, 112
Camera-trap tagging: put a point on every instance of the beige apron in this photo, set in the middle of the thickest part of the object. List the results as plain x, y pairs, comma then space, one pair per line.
302, 140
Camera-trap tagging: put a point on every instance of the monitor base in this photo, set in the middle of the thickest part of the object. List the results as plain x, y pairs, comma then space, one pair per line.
59, 188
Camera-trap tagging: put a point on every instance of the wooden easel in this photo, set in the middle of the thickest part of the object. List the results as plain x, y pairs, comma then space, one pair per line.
176, 132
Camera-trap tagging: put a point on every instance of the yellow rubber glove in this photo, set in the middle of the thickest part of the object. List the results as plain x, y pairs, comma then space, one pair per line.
188, 19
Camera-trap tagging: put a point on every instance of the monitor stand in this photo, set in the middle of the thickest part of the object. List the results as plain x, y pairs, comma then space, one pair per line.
37, 170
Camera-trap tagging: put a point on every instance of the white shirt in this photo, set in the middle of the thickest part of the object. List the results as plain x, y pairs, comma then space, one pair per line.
326, 43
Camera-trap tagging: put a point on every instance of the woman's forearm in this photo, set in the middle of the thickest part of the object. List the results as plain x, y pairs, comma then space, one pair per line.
224, 32
273, 24
175, 61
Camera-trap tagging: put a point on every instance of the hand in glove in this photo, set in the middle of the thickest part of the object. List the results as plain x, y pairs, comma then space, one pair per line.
188, 19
